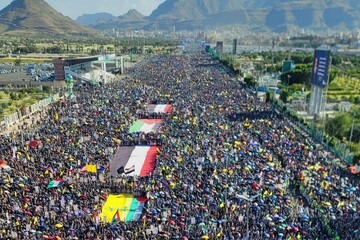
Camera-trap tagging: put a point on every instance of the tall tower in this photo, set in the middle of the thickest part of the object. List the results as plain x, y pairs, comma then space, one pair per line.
234, 46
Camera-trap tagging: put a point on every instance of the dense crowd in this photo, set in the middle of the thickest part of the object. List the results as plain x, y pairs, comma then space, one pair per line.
230, 166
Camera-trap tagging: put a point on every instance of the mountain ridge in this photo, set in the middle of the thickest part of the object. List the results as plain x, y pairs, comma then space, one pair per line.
94, 18
269, 15
24, 17
272, 14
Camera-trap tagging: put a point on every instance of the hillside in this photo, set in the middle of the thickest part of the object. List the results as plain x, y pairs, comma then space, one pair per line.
133, 19
96, 18
274, 15
193, 9
36, 17
267, 15
131, 15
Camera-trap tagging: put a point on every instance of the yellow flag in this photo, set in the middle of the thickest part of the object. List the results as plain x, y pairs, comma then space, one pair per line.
91, 168
56, 116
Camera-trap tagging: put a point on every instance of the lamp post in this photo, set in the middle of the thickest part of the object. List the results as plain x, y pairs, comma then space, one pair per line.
249, 200
288, 81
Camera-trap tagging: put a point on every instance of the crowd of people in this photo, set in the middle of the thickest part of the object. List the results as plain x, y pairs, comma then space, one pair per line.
230, 165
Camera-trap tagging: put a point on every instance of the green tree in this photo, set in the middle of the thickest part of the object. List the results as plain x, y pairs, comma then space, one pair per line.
338, 125
357, 99
355, 134
4, 105
150, 50
46, 89
284, 95
352, 99
21, 95
295, 88
54, 49
13, 96
269, 96
250, 81
301, 74
17, 62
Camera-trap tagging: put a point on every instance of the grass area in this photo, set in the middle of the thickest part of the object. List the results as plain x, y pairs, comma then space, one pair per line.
25, 60
10, 102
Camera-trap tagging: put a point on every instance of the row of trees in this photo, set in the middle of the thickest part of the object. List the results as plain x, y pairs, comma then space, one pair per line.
83, 45
343, 124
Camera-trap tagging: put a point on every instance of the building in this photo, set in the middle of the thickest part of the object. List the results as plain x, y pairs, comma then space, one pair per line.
287, 66
234, 46
89, 69
219, 47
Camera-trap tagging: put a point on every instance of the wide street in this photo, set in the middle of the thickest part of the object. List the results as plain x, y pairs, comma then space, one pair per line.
196, 156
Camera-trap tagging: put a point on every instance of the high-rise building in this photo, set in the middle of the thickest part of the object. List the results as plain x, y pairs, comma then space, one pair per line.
234, 46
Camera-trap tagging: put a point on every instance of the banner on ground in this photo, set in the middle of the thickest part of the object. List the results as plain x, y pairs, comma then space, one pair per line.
146, 125
159, 108
122, 207
134, 161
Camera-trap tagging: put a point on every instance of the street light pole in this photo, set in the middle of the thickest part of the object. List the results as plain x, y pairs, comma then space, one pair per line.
69, 83
288, 81
352, 129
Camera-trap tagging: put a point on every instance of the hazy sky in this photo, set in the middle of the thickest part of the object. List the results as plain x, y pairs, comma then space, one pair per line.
75, 8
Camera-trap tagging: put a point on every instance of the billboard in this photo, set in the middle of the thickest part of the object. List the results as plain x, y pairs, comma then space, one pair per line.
320, 68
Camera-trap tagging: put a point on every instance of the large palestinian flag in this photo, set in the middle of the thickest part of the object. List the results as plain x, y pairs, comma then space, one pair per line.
122, 207
159, 108
146, 125
134, 161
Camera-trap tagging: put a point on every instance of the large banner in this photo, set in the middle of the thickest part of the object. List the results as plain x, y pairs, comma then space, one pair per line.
320, 68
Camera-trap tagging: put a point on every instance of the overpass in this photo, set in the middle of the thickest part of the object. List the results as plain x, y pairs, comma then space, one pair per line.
89, 69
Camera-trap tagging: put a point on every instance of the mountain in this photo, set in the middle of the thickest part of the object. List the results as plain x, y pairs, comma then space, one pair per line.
96, 18
132, 19
131, 16
272, 15
36, 17
264, 15
193, 9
